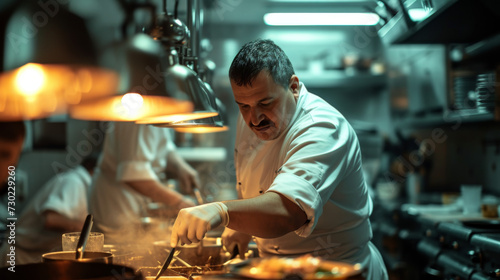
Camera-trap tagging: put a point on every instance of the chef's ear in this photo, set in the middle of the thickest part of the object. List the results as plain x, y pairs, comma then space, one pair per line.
293, 84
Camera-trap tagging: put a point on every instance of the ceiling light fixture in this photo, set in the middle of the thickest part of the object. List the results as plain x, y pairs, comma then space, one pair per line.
173, 34
218, 123
317, 19
145, 90
50, 63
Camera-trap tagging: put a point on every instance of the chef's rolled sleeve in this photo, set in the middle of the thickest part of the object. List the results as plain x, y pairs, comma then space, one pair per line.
302, 193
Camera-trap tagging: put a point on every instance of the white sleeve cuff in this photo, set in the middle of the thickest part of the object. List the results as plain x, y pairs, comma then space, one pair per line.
302, 193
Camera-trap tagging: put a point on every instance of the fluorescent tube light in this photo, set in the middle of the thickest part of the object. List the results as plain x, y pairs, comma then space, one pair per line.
418, 14
321, 19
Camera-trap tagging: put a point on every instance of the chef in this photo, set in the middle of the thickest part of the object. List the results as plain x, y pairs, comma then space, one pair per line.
298, 169
59, 206
12, 136
131, 174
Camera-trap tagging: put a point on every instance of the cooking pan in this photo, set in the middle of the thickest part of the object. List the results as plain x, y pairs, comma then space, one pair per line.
70, 271
69, 256
184, 271
305, 267
208, 252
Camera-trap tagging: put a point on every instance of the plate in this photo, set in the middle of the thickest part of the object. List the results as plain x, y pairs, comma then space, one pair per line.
305, 267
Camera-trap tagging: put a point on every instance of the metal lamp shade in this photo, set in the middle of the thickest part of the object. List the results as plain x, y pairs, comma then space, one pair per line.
49, 63
145, 89
187, 81
205, 125
218, 123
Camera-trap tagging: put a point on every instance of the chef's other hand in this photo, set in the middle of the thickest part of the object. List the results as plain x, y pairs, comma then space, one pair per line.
184, 202
232, 238
182, 171
192, 223
188, 178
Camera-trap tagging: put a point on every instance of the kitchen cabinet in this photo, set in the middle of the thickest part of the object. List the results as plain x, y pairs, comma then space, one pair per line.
469, 35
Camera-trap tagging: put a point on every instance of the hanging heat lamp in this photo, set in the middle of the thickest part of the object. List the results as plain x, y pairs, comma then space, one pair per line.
49, 63
171, 33
146, 89
213, 124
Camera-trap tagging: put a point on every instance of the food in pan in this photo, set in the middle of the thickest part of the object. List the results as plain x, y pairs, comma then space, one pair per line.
305, 267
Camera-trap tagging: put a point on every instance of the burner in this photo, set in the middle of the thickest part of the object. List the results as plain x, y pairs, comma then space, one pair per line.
488, 250
492, 225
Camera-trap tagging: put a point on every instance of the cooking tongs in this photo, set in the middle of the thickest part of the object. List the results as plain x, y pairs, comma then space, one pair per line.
84, 236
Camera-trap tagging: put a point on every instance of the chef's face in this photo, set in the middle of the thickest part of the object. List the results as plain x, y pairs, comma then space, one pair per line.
9, 156
267, 107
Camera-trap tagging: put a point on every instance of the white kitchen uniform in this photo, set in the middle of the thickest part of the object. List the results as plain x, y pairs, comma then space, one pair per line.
131, 152
66, 193
315, 163
20, 195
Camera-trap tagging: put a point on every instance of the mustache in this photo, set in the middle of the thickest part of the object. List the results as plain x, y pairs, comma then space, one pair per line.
261, 124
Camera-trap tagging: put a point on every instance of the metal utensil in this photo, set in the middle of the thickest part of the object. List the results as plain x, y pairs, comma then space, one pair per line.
185, 263
198, 196
166, 263
84, 236
235, 252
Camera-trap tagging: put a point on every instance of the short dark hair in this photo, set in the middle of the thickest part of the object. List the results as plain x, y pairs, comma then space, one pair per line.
90, 161
259, 55
12, 131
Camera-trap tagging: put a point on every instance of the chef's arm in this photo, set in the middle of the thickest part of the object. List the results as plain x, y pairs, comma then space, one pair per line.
159, 193
269, 215
57, 222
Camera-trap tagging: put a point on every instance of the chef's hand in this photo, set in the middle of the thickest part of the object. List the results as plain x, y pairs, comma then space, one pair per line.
232, 238
185, 174
188, 178
184, 202
192, 223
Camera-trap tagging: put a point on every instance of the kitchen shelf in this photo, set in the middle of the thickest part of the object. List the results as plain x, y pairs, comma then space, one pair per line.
446, 118
202, 153
455, 22
338, 79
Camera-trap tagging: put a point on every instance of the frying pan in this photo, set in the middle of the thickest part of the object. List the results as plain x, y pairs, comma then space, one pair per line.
69, 271
206, 252
69, 256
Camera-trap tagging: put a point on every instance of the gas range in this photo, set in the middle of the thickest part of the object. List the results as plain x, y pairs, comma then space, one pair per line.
462, 250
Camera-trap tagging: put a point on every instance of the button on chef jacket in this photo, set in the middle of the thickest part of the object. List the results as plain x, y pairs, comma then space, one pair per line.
131, 152
315, 163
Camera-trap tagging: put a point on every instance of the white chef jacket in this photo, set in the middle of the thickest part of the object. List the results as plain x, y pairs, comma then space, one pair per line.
315, 163
66, 193
21, 194
131, 152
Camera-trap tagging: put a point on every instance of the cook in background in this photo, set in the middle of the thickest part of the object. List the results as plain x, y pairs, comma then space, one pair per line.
12, 135
298, 169
130, 175
59, 206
